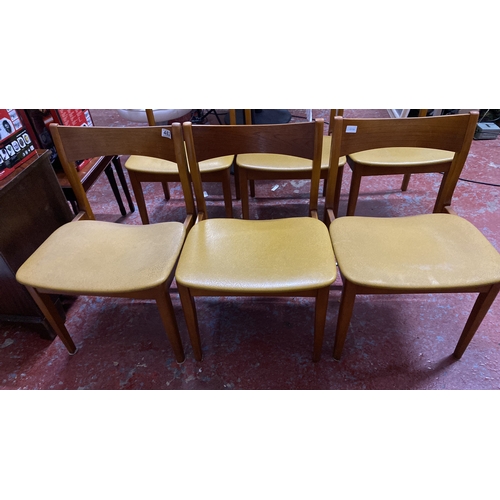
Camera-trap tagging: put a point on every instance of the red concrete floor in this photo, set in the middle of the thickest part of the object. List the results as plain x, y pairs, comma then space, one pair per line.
394, 342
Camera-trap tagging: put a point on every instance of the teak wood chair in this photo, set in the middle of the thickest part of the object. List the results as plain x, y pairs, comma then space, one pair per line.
262, 166
392, 161
429, 253
89, 257
235, 257
144, 169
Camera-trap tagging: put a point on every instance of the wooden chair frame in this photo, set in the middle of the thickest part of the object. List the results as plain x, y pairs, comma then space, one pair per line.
449, 133
212, 141
202, 148
487, 295
452, 133
136, 178
77, 143
245, 177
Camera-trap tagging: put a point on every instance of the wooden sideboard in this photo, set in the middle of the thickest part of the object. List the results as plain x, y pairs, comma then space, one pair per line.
32, 206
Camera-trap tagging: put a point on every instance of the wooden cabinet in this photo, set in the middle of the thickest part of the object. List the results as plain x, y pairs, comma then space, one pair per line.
32, 206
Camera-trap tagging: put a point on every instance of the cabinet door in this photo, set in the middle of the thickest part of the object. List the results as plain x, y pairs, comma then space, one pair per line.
32, 206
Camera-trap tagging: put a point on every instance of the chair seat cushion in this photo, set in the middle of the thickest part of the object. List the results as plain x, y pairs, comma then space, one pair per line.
146, 164
257, 256
263, 161
94, 257
397, 157
425, 252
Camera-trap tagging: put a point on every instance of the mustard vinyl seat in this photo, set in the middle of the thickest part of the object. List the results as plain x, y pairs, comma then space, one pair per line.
248, 256
261, 166
145, 164
286, 163
402, 157
97, 258
238, 257
82, 258
149, 169
429, 253
425, 252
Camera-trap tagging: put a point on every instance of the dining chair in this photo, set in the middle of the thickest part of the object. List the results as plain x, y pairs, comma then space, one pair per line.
262, 166
393, 161
428, 253
237, 257
96, 258
145, 169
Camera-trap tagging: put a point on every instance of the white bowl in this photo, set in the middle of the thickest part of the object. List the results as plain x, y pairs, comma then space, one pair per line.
161, 115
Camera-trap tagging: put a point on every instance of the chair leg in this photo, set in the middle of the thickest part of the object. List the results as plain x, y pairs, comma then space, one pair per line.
344, 317
189, 309
123, 181
228, 198
338, 189
243, 179
443, 198
139, 197
319, 321
49, 310
252, 188
166, 190
236, 171
354, 191
481, 307
167, 314
406, 181
114, 187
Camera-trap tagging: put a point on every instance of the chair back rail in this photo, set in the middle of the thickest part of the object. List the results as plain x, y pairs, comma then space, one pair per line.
80, 143
436, 132
295, 139
450, 133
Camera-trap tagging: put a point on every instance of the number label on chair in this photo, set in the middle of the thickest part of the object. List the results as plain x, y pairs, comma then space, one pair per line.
351, 129
166, 133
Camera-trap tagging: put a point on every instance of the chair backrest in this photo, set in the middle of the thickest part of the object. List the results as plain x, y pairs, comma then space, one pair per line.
295, 139
80, 143
450, 133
